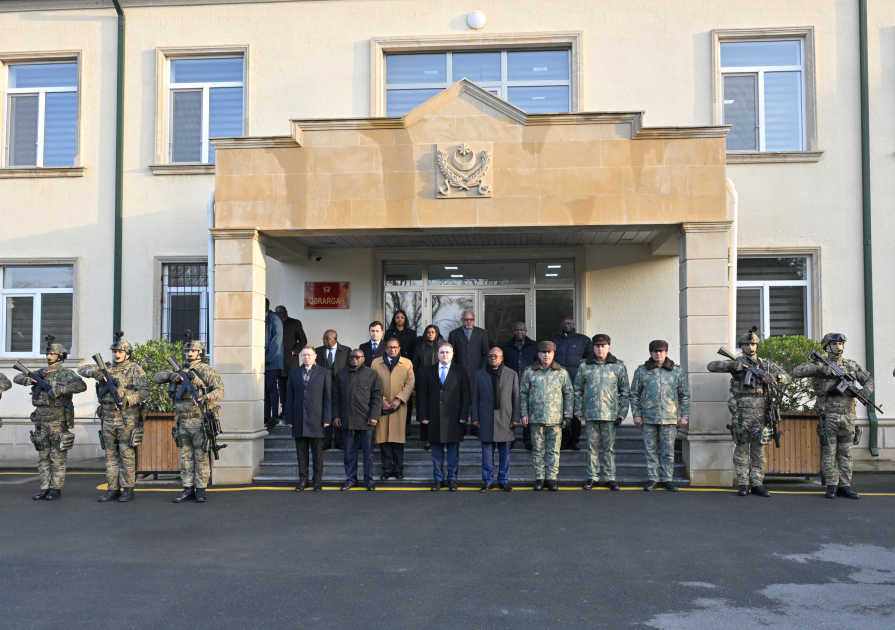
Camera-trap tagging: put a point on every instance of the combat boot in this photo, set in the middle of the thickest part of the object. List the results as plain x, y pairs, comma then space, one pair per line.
590, 483
846, 491
54, 494
669, 486
612, 485
187, 495
744, 490
552, 485
760, 491
127, 495
831, 492
539, 485
200, 495
41, 495
110, 495
650, 486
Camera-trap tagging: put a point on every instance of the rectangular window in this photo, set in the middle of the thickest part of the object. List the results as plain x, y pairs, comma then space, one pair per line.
772, 293
537, 81
42, 124
763, 86
185, 301
37, 301
206, 101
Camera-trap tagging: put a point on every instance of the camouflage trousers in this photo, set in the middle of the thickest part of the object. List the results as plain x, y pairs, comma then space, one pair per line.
659, 442
601, 449
749, 458
121, 459
545, 443
838, 429
195, 467
52, 463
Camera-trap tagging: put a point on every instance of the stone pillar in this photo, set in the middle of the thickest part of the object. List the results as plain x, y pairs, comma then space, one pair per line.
703, 314
239, 352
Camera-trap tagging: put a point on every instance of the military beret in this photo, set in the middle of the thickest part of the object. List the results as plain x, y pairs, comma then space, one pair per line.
658, 345
546, 346
600, 339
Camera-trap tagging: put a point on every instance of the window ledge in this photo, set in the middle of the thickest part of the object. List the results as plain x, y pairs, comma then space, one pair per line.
182, 169
42, 171
773, 157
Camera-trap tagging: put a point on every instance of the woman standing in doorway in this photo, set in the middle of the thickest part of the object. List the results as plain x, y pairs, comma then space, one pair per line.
426, 354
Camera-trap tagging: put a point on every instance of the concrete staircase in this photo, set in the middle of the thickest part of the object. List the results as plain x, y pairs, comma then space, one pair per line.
280, 463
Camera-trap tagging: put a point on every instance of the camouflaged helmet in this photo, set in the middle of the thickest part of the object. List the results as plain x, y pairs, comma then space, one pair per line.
55, 348
193, 344
750, 337
830, 338
123, 346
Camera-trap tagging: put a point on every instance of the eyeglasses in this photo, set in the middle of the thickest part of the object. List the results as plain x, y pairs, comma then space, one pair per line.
469, 319
494, 356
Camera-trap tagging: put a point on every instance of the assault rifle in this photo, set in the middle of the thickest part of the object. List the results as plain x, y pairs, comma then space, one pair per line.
40, 385
211, 426
111, 383
754, 372
772, 419
847, 382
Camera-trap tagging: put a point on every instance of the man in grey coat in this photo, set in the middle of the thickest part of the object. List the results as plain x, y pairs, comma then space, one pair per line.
495, 412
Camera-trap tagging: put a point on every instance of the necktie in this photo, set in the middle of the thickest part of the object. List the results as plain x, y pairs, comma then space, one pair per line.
329, 358
443, 370
375, 345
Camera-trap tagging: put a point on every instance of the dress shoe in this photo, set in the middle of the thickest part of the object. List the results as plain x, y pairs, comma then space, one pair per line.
452, 485
846, 491
300, 487
200, 495
831, 492
427, 447
505, 487
371, 486
590, 483
669, 486
486, 486
743, 491
552, 485
760, 491
318, 486
612, 485
651, 485
539, 485
110, 495
575, 446
399, 475
187, 495
384, 476
53, 494
438, 485
41, 495
127, 495
348, 485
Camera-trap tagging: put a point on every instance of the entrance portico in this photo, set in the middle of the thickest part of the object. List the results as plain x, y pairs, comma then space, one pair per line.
468, 177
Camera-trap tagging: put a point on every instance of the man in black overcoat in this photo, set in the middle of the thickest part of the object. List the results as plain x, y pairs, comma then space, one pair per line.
309, 412
357, 405
294, 339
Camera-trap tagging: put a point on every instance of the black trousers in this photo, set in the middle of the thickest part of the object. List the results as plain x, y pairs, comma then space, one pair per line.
392, 454
526, 436
571, 434
302, 447
332, 438
281, 383
355, 440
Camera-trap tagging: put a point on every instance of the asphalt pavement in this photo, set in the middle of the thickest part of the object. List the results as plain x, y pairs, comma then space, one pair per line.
273, 558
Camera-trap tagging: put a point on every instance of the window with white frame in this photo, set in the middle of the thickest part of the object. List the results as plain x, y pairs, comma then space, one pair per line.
773, 294
537, 81
206, 101
185, 301
763, 84
37, 301
42, 114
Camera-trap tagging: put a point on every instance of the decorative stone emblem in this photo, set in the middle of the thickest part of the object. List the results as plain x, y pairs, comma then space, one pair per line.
464, 170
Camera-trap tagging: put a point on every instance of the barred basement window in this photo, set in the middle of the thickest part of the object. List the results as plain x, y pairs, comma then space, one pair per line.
772, 293
185, 301
37, 301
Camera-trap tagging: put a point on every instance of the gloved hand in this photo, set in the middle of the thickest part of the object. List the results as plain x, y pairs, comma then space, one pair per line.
618, 422
565, 422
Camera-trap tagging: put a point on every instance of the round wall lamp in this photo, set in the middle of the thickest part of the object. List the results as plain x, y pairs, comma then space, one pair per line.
476, 20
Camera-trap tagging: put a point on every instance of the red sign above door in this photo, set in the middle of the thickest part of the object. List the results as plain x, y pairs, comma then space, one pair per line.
326, 295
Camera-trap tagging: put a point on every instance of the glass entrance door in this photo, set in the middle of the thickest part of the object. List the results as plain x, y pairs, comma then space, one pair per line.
448, 307
502, 310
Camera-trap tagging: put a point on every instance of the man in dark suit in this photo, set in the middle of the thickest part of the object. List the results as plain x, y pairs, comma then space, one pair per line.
333, 356
571, 349
470, 345
518, 353
374, 348
308, 413
357, 405
294, 339
444, 406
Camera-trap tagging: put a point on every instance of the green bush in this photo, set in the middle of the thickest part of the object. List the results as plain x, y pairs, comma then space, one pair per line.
152, 356
789, 352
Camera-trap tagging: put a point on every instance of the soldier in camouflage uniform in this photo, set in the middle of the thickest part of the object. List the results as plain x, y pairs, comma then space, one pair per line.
602, 395
836, 428
748, 405
546, 403
660, 401
195, 467
52, 437
4, 385
121, 429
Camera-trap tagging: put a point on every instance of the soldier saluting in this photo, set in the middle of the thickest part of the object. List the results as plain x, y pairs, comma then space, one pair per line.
748, 404
52, 388
195, 467
836, 428
121, 389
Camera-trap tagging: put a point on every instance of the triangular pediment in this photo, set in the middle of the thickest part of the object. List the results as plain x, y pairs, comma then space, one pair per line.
471, 94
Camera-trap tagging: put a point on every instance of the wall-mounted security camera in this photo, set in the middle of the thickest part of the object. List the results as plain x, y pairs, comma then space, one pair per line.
315, 257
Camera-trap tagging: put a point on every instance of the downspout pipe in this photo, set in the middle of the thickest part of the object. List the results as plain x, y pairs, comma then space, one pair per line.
732, 265
119, 175
209, 211
868, 224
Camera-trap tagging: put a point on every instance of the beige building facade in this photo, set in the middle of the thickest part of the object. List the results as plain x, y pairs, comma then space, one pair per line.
604, 191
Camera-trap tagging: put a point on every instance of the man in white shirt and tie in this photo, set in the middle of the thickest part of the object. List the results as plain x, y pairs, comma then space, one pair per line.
374, 348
